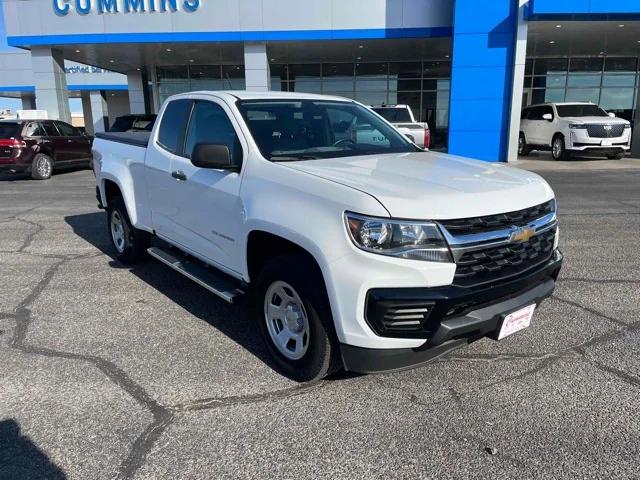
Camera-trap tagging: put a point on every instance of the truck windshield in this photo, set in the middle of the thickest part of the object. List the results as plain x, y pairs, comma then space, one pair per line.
580, 111
393, 115
9, 129
290, 130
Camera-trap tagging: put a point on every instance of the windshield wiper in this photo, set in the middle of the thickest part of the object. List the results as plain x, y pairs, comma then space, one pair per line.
296, 158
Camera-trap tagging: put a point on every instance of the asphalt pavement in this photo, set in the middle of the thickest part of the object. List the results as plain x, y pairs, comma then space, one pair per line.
113, 372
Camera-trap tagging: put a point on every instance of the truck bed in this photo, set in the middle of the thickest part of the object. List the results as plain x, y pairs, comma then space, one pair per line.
139, 139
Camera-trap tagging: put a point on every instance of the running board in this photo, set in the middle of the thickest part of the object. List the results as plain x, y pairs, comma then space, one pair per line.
214, 282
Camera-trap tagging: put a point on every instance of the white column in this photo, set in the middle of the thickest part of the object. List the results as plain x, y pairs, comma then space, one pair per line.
517, 87
137, 86
28, 101
51, 82
99, 112
86, 112
256, 66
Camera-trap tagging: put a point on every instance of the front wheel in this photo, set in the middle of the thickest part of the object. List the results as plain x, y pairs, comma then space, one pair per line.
130, 243
558, 150
294, 316
615, 156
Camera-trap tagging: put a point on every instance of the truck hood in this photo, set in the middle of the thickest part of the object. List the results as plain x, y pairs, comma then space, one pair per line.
428, 185
596, 120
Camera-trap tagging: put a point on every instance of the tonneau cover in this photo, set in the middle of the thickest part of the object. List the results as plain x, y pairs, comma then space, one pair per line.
139, 139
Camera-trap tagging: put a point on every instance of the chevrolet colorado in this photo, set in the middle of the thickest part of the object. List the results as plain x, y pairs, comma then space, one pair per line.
359, 250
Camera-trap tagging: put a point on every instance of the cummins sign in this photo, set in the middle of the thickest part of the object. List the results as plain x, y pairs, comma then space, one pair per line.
85, 7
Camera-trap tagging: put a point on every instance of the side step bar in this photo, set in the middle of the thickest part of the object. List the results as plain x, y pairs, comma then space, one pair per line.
214, 282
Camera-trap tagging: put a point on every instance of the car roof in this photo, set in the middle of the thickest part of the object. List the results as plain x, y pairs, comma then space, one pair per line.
561, 104
252, 95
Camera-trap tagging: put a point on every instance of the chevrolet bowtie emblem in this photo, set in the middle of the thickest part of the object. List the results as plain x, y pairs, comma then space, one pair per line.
608, 127
521, 234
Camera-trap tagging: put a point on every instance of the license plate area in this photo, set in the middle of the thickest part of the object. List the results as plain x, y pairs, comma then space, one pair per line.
516, 321
606, 143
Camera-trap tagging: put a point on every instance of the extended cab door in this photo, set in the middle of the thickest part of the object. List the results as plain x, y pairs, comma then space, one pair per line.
208, 204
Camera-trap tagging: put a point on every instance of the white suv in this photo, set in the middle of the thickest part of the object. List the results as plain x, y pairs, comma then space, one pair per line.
573, 127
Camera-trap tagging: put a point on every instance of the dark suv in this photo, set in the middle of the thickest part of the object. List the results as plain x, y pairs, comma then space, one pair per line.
39, 146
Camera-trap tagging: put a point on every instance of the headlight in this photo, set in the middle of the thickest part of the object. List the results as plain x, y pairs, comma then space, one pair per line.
627, 125
576, 126
410, 240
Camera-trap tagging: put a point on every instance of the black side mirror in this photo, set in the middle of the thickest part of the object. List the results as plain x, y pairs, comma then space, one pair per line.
211, 155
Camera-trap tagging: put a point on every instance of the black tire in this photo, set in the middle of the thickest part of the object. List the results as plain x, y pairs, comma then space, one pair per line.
523, 148
41, 167
134, 242
615, 156
321, 357
559, 153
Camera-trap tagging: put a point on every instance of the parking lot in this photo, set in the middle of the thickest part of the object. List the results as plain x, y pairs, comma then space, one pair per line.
111, 372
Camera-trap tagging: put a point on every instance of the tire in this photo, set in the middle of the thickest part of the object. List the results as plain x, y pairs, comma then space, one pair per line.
309, 350
523, 148
129, 243
615, 156
558, 150
41, 167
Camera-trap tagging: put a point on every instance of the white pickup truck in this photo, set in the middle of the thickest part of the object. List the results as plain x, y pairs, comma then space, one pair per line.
401, 117
356, 254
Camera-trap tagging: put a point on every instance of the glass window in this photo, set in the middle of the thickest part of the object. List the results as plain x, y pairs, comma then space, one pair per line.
205, 77
50, 129
310, 129
436, 69
405, 69
308, 86
393, 114
372, 98
586, 65
173, 124
580, 111
548, 95
233, 77
209, 123
34, 129
583, 95
584, 80
557, 80
620, 64
543, 66
67, 130
304, 70
528, 67
617, 98
619, 80
9, 129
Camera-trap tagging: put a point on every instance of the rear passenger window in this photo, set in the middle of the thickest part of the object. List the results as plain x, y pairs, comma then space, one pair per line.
34, 129
67, 130
210, 124
172, 127
50, 129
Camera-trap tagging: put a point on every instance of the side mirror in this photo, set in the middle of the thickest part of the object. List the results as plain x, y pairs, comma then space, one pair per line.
215, 156
548, 117
611, 114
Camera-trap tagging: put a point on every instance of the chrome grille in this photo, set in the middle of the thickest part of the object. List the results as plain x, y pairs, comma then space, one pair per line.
605, 131
487, 223
489, 264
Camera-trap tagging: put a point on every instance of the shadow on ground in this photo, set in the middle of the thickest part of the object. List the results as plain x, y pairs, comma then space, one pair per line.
235, 321
21, 459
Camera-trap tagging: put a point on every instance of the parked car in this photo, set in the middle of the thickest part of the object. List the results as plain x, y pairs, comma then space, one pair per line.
365, 254
566, 128
401, 117
40, 146
133, 123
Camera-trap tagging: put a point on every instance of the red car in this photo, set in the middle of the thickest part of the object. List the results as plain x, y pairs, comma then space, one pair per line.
40, 146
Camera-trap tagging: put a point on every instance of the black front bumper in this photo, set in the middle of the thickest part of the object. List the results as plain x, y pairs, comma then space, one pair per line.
489, 306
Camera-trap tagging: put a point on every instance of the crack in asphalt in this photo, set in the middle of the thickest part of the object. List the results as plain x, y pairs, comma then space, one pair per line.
163, 415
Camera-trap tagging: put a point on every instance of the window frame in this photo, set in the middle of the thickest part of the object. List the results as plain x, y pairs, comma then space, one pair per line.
194, 101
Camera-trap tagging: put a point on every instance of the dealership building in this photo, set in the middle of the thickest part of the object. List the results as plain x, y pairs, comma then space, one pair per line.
464, 66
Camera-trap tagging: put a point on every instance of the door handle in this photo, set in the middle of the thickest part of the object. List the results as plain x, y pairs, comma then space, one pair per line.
179, 175
69, 140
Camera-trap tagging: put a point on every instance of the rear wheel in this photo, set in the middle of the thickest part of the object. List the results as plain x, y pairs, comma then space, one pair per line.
294, 316
558, 150
615, 156
130, 243
523, 148
41, 167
